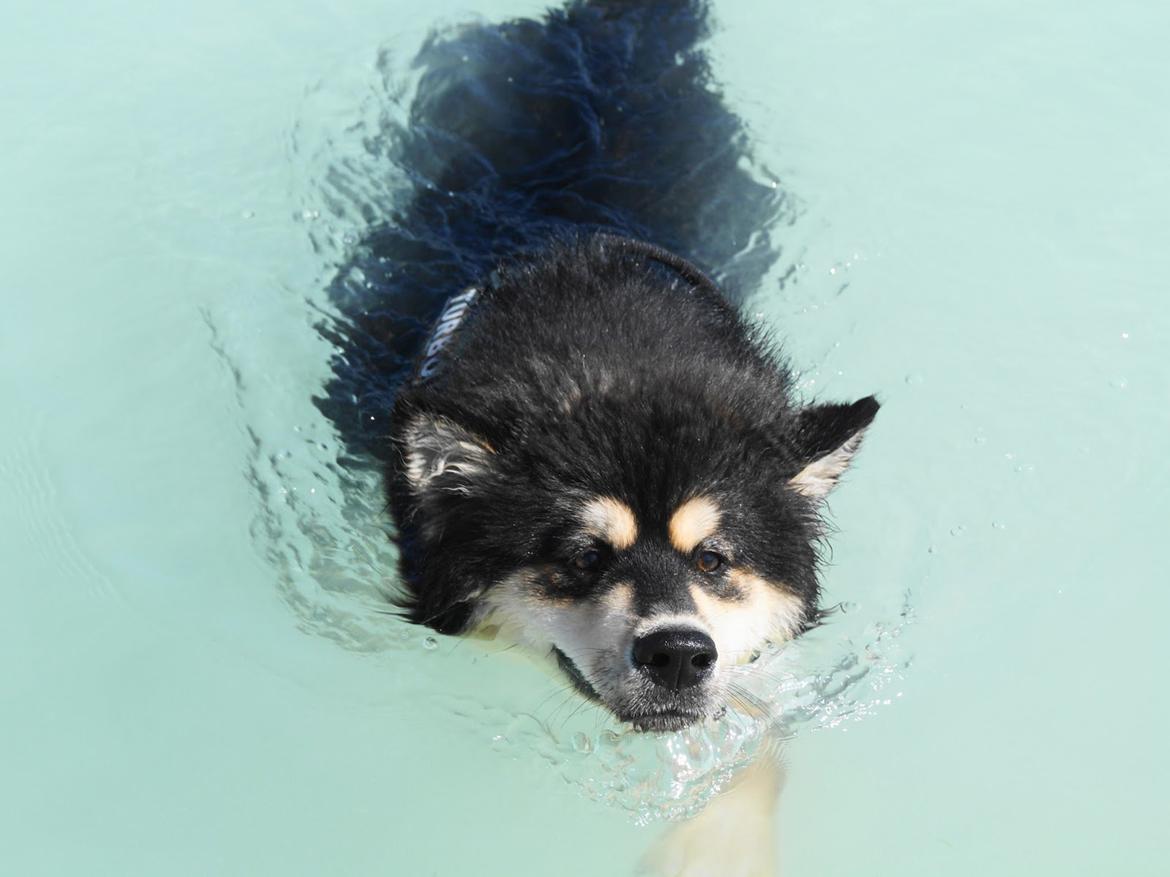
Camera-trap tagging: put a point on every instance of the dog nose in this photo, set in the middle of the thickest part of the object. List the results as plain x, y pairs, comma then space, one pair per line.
675, 657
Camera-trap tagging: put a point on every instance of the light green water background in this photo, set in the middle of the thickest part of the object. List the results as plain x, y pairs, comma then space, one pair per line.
983, 240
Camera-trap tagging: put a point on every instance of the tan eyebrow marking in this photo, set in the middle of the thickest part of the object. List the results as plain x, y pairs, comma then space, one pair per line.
612, 520
692, 522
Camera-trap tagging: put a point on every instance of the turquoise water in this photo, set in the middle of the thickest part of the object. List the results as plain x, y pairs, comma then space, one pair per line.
198, 678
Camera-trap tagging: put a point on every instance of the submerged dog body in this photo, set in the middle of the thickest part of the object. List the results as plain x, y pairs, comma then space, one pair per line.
604, 462
591, 451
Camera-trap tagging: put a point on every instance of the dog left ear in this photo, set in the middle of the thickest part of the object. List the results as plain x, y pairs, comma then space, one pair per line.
825, 438
442, 457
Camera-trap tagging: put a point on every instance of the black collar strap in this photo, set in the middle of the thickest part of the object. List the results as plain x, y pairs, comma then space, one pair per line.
454, 312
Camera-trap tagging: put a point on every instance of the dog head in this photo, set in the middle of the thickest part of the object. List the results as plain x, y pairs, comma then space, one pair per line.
649, 542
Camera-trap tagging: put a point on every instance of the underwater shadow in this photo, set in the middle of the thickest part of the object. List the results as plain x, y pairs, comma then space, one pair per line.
602, 115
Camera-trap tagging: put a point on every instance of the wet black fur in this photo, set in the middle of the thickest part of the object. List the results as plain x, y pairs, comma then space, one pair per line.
669, 396
586, 366
603, 116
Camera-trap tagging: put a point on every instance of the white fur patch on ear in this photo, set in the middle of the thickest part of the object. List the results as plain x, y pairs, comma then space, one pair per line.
820, 476
440, 448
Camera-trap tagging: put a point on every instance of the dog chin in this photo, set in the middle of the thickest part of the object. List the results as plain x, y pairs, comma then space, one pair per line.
649, 708
663, 721
666, 715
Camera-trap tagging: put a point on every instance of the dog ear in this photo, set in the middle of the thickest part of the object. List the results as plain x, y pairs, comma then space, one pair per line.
825, 438
441, 455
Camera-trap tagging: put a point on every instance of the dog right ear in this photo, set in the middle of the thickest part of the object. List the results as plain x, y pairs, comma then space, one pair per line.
443, 458
825, 438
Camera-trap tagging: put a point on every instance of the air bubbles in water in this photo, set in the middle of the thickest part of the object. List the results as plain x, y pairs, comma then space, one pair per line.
581, 743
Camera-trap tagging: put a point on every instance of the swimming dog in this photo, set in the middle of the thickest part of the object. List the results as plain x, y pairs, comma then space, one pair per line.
591, 451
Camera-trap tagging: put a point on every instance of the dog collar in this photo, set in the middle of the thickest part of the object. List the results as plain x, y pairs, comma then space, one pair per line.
454, 312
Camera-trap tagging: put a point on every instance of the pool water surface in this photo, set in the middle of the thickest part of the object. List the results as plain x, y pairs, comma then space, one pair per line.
201, 674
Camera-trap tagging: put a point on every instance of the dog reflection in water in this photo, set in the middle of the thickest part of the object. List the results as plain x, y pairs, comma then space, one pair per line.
734, 836
591, 452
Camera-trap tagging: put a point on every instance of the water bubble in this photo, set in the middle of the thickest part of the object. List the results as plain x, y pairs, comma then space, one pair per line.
914, 378
581, 743
430, 643
1119, 383
609, 739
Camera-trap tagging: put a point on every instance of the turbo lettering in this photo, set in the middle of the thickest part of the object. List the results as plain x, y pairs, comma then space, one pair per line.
449, 320
437, 345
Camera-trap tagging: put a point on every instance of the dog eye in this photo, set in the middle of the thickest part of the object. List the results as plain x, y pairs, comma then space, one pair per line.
708, 561
588, 560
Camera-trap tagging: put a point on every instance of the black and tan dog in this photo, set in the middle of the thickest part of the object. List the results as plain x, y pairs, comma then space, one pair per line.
591, 451
599, 458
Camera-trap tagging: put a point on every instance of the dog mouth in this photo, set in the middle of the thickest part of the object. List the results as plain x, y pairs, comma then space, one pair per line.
667, 718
